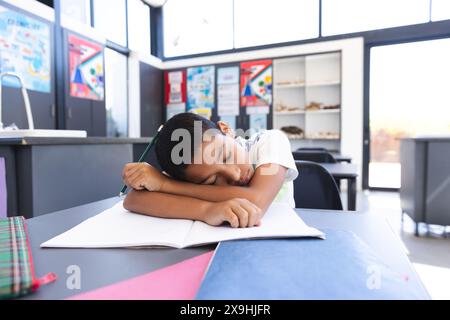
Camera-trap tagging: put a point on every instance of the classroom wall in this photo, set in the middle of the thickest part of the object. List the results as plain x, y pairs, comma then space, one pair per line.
352, 83
151, 96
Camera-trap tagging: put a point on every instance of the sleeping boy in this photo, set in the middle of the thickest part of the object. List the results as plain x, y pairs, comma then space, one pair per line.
210, 175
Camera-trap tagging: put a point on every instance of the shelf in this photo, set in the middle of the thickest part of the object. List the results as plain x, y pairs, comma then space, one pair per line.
288, 86
327, 139
324, 83
285, 113
323, 111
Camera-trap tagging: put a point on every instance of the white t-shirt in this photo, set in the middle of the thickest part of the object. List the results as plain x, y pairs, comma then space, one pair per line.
273, 146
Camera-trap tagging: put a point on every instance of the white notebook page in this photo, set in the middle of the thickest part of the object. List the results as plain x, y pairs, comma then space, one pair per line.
117, 227
279, 221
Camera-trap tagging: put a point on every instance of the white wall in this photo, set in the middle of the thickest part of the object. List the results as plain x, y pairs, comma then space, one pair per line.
352, 83
34, 7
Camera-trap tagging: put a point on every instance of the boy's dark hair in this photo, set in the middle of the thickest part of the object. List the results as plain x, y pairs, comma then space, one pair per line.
164, 144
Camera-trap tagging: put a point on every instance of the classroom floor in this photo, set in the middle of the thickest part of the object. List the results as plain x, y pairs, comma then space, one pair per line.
430, 254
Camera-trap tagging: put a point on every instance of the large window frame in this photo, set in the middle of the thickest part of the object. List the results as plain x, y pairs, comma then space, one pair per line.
371, 35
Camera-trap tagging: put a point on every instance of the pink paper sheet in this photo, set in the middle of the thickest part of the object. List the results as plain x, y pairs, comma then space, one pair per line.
176, 282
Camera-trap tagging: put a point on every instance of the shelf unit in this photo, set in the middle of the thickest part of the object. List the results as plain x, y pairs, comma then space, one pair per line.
300, 82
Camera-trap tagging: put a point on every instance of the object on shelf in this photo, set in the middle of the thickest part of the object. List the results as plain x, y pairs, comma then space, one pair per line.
323, 135
293, 132
280, 107
316, 106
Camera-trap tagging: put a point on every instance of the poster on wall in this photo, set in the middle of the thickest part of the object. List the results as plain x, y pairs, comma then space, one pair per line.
174, 108
230, 120
175, 87
25, 50
256, 84
258, 122
204, 112
200, 87
86, 69
228, 91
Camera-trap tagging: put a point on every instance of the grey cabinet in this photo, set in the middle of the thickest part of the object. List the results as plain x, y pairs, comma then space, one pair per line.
425, 181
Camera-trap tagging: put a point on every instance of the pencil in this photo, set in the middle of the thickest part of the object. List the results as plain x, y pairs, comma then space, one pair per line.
144, 154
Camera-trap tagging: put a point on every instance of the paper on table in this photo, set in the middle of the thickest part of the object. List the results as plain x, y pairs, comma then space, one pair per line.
117, 227
176, 282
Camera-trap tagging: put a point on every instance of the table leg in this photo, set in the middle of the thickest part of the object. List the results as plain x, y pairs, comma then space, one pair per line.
351, 194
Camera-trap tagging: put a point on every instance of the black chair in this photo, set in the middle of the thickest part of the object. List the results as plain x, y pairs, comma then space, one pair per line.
314, 156
315, 188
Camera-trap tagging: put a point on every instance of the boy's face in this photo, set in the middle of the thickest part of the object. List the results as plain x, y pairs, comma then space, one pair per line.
223, 161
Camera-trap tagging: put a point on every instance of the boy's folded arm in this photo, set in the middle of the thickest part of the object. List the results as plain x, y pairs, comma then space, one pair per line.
263, 188
165, 205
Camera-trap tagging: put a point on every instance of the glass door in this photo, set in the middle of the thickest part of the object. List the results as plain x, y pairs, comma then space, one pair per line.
409, 96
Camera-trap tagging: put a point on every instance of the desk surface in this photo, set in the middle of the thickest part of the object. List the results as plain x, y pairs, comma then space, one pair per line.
65, 141
341, 170
101, 267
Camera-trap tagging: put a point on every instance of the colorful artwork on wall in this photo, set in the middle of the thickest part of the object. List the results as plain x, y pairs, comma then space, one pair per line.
200, 87
86, 67
256, 83
175, 87
25, 50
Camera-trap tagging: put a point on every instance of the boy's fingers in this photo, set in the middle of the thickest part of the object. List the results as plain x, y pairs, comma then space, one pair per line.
242, 214
232, 219
253, 212
131, 168
135, 183
134, 175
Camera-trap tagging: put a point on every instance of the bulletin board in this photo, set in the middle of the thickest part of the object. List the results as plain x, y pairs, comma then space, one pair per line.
200, 87
25, 50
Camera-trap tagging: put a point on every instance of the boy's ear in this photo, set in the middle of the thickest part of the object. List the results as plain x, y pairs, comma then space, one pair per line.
225, 129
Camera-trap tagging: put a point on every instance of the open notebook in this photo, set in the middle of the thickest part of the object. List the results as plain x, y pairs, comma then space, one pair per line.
118, 227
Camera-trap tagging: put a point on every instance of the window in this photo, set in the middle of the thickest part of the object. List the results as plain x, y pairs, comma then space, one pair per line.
408, 96
259, 22
440, 10
116, 94
346, 16
138, 26
197, 26
110, 19
78, 10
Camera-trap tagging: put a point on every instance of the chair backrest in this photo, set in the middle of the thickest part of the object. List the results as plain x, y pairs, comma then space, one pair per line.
314, 156
315, 188
312, 149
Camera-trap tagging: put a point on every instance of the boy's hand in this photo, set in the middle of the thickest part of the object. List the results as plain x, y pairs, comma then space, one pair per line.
237, 212
141, 175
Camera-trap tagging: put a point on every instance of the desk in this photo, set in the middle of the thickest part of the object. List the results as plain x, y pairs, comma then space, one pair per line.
42, 174
101, 267
346, 171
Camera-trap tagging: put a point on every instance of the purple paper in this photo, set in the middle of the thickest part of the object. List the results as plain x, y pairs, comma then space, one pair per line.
2, 188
